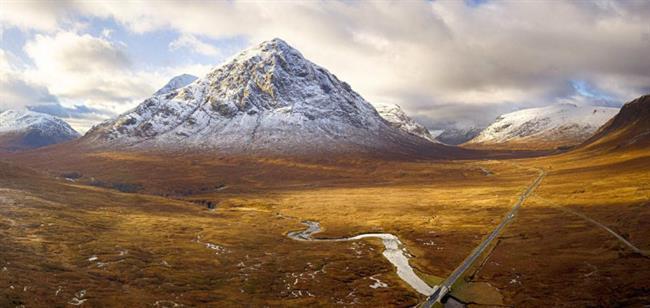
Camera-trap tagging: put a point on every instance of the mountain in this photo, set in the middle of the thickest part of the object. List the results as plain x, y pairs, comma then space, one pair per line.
458, 135
22, 130
629, 128
268, 99
435, 133
558, 125
398, 119
176, 83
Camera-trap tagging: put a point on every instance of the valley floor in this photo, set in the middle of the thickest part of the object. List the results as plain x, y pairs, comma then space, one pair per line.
135, 229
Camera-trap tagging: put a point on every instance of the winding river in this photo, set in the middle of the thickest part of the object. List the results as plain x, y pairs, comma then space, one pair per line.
394, 252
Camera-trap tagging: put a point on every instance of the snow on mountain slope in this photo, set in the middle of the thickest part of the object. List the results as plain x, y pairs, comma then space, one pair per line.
557, 125
266, 99
435, 133
20, 130
455, 135
398, 119
176, 83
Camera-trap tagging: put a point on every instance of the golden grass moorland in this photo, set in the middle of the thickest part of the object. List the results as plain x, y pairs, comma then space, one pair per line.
82, 240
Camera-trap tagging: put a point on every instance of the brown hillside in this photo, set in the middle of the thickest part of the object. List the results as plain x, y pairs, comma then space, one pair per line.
629, 128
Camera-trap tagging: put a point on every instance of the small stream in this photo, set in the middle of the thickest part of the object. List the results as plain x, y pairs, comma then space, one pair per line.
394, 252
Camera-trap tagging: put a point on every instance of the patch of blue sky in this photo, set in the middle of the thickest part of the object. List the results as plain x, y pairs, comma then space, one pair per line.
146, 51
12, 41
475, 3
227, 47
150, 50
586, 89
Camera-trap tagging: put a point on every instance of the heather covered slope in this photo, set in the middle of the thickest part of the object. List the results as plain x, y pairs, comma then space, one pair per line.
630, 128
82, 233
266, 100
440, 210
23, 130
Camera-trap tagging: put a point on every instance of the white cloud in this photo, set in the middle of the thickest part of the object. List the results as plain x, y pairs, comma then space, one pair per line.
194, 44
429, 55
106, 33
70, 69
437, 59
75, 53
16, 90
5, 61
44, 16
19, 91
85, 68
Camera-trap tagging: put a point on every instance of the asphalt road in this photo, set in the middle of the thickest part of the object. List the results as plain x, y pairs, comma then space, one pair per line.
441, 291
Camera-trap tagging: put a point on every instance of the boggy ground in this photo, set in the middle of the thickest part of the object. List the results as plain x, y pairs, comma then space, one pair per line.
72, 241
551, 256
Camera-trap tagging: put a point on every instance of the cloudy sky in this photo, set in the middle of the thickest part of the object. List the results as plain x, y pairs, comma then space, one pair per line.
444, 62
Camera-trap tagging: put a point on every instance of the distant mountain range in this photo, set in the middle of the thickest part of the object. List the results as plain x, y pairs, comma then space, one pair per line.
558, 125
22, 130
271, 100
398, 119
267, 99
455, 135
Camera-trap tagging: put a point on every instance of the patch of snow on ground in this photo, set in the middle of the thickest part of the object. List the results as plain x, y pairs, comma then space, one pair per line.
378, 283
78, 299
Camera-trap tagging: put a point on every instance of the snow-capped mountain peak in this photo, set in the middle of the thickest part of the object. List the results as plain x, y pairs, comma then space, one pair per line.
398, 119
17, 120
457, 133
555, 125
176, 83
23, 129
266, 99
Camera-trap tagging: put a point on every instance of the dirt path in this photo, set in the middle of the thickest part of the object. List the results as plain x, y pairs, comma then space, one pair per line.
600, 225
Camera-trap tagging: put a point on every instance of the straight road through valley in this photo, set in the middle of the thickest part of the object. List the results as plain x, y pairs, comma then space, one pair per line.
440, 291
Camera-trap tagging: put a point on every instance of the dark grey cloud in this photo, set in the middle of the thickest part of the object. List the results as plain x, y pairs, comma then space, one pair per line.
18, 93
78, 111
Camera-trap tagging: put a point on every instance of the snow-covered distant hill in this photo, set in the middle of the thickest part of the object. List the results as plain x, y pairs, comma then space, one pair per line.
455, 135
435, 133
557, 125
21, 130
176, 83
398, 119
268, 99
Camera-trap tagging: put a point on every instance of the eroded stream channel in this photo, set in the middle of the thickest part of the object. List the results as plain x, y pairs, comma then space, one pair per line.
394, 252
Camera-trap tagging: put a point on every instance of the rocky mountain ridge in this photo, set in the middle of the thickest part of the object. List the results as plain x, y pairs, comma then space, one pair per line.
267, 99
400, 120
